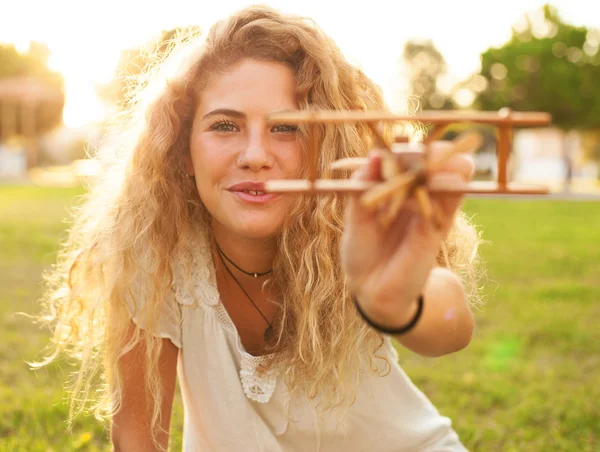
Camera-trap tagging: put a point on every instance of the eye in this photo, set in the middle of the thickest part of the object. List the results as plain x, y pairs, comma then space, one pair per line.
285, 128
224, 126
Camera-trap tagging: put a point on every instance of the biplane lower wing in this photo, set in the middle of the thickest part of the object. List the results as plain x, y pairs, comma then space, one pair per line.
437, 185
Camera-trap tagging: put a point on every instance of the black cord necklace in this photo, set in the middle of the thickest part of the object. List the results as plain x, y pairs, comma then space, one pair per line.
256, 275
269, 331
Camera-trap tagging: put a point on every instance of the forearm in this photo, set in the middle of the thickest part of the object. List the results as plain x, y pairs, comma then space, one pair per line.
446, 324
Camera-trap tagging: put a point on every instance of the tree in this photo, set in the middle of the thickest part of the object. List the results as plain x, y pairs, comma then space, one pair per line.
28, 73
426, 66
134, 63
547, 65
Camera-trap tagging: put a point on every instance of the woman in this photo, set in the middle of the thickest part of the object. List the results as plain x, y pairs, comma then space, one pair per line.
178, 265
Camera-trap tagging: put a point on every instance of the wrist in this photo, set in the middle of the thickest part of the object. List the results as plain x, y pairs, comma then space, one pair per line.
384, 310
395, 323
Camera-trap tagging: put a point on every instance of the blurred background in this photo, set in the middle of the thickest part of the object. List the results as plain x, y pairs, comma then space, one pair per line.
529, 380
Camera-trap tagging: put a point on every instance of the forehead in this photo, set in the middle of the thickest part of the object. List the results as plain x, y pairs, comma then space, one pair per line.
251, 86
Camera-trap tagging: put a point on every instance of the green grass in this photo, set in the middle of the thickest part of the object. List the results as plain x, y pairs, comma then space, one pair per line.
528, 381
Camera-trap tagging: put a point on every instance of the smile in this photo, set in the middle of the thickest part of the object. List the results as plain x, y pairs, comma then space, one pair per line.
255, 196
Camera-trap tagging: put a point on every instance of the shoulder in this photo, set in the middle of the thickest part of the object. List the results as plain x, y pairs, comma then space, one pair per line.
192, 285
194, 279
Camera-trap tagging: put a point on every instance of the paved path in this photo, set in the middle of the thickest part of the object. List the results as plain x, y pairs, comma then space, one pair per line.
552, 196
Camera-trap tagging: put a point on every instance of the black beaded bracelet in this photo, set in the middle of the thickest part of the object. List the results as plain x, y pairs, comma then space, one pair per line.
394, 331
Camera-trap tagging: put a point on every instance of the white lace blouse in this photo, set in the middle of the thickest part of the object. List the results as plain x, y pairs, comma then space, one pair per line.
230, 407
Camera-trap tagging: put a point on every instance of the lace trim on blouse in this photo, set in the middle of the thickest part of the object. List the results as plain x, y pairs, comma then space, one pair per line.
258, 385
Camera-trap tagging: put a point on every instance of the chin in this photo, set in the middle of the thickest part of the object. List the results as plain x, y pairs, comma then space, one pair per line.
257, 227
258, 230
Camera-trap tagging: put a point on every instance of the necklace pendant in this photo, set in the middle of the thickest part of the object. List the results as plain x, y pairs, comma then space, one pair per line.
255, 275
268, 333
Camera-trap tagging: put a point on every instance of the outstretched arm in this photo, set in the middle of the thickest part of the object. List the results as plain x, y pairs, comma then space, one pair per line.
388, 268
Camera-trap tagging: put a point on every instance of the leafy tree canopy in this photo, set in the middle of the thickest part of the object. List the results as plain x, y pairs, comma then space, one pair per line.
426, 66
547, 65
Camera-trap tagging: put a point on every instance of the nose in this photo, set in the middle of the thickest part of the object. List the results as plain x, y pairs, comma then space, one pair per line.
257, 154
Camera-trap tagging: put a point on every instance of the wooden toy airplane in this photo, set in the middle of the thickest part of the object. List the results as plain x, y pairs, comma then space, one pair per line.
406, 173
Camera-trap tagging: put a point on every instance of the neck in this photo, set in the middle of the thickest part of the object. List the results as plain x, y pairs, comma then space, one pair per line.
252, 255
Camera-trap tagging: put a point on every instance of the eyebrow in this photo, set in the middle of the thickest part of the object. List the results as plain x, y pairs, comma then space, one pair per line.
225, 112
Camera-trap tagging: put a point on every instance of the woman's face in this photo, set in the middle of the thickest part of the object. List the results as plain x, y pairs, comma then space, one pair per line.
232, 147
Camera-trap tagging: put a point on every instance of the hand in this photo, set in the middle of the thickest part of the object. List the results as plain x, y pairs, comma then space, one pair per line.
387, 269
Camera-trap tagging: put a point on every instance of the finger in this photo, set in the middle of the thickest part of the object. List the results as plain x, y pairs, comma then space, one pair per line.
462, 164
461, 168
371, 171
448, 205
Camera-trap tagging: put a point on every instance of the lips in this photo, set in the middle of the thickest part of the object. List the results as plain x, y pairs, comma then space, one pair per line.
252, 192
248, 186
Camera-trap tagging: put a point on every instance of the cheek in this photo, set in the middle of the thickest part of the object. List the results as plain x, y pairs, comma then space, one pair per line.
209, 159
211, 165
292, 160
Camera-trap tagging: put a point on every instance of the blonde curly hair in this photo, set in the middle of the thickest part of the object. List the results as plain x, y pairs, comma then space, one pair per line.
143, 209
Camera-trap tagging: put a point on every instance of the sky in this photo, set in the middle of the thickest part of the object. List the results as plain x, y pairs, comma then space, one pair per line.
86, 37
